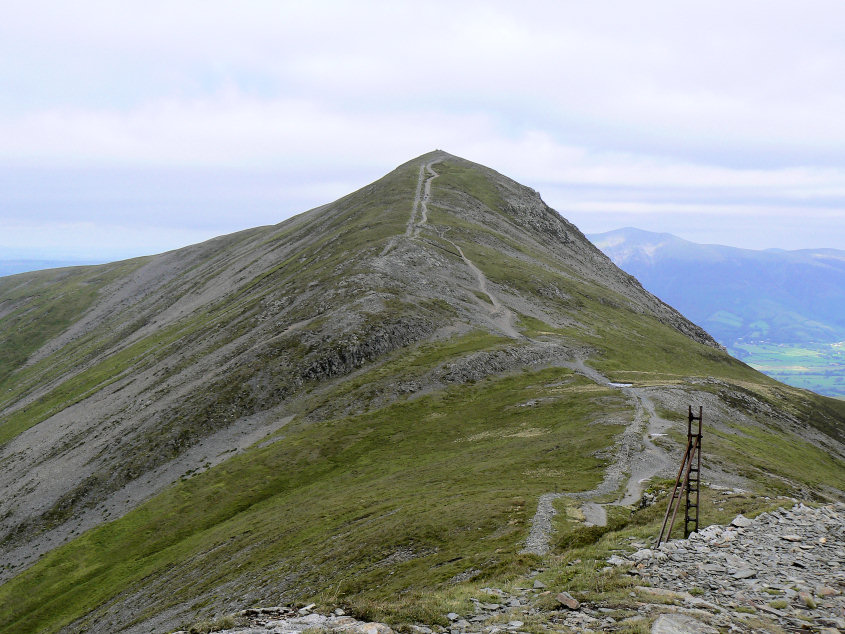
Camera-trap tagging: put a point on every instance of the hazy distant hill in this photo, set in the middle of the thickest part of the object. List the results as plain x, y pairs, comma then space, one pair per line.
776, 296
781, 311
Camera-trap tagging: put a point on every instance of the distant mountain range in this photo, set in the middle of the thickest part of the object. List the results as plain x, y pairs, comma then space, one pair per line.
735, 294
782, 312
11, 267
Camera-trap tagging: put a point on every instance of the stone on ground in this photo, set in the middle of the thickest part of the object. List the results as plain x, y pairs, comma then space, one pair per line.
680, 624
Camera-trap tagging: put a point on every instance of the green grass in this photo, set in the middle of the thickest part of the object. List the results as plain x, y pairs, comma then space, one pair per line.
776, 458
640, 349
451, 478
47, 303
460, 177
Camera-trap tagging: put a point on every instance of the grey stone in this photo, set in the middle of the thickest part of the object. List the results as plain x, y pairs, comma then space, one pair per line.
680, 624
740, 521
373, 628
640, 555
313, 619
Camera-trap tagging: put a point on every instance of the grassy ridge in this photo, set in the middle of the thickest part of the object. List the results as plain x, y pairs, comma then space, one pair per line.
43, 304
386, 509
776, 458
630, 344
444, 477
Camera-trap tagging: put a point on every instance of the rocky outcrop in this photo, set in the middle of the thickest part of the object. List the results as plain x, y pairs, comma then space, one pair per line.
786, 567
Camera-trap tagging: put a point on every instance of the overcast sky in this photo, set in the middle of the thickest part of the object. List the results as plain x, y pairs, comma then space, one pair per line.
135, 127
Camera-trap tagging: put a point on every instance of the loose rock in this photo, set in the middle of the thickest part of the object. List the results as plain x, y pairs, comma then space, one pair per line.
680, 624
568, 601
795, 556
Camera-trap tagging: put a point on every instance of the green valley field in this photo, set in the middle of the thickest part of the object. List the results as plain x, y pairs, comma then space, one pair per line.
814, 366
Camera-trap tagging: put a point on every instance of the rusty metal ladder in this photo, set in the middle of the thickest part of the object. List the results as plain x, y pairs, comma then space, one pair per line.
687, 483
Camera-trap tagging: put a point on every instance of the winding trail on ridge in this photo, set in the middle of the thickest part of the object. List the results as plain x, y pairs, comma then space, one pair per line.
423, 206
636, 457
500, 315
412, 229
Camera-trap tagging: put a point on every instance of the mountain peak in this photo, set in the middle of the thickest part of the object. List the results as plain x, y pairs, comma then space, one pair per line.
437, 326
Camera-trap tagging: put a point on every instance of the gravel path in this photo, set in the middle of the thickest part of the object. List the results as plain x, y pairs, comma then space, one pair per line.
426, 196
412, 221
502, 317
594, 514
636, 458
652, 459
500, 314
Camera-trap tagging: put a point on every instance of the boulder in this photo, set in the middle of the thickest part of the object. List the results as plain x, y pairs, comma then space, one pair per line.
680, 624
568, 601
373, 628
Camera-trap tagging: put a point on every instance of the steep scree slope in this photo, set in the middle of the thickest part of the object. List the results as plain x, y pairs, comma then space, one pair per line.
362, 354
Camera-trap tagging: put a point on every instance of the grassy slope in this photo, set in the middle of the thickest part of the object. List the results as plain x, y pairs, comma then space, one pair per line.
446, 477
46, 303
380, 510
637, 348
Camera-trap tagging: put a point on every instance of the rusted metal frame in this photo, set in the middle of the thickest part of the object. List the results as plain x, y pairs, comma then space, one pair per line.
693, 452
688, 461
694, 528
697, 451
675, 493
687, 518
